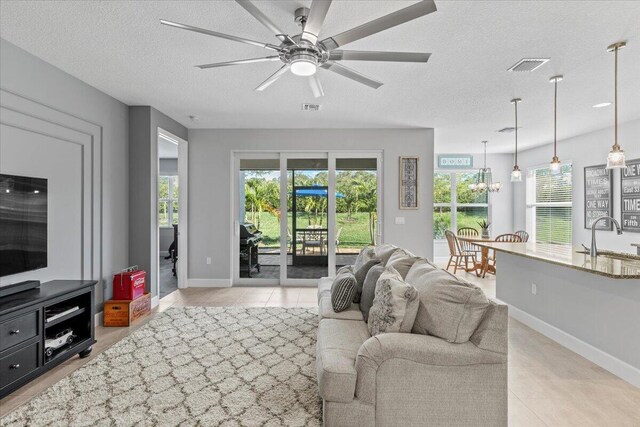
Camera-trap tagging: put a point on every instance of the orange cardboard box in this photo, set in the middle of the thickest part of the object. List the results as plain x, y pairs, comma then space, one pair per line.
125, 312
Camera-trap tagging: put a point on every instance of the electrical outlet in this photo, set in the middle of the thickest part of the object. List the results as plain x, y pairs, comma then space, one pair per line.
534, 289
208, 260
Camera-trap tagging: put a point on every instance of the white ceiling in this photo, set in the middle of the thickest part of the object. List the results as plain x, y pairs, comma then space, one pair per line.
463, 92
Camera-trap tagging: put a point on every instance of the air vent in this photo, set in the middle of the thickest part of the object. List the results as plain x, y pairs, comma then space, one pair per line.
508, 129
310, 107
528, 64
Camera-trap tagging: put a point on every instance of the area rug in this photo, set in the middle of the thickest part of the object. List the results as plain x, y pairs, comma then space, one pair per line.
208, 366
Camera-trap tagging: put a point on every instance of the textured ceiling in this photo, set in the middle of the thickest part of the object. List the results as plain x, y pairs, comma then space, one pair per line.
463, 92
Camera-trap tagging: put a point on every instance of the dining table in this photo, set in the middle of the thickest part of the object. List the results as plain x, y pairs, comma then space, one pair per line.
482, 267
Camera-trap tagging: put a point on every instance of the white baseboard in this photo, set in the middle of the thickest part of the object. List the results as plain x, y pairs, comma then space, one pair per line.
611, 363
208, 283
155, 301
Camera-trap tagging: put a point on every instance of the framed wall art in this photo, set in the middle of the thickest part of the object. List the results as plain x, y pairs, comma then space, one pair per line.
409, 182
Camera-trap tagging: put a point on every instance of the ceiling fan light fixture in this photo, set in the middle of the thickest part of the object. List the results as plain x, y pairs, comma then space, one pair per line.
304, 65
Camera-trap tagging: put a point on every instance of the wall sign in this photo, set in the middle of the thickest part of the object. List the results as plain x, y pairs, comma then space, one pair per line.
598, 196
630, 196
455, 161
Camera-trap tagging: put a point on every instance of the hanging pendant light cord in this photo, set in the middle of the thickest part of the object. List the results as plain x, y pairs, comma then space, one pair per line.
555, 118
615, 98
516, 109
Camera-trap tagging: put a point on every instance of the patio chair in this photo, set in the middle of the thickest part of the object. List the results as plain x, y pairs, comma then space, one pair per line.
313, 239
338, 239
457, 255
523, 235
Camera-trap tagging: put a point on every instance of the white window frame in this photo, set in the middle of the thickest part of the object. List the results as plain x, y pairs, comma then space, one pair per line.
453, 205
169, 200
532, 204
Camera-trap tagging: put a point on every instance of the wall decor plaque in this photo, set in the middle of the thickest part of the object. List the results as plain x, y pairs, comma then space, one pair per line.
598, 196
630, 196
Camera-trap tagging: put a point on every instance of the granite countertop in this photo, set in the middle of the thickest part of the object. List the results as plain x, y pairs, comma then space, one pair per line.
606, 264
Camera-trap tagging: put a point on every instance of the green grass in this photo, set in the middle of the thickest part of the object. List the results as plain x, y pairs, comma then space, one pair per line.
355, 231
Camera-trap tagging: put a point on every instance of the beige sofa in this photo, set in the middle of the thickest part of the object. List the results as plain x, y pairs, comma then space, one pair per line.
402, 379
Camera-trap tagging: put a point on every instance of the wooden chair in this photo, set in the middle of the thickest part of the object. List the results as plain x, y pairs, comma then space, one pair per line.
468, 246
456, 252
510, 238
467, 231
523, 235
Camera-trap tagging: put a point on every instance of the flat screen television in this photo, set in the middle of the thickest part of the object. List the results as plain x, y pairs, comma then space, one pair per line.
23, 224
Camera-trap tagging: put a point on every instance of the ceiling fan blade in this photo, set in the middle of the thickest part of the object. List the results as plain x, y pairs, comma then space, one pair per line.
240, 61
316, 86
220, 35
391, 20
264, 20
273, 77
317, 13
361, 55
351, 74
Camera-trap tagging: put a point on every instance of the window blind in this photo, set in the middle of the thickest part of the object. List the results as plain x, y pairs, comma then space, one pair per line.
552, 204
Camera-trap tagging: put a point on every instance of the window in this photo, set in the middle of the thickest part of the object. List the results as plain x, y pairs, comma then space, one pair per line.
456, 206
167, 201
549, 205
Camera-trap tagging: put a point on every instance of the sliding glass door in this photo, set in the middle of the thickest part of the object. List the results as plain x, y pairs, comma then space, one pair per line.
299, 216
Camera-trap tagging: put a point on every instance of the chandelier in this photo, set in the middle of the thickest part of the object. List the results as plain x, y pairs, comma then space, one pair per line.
483, 178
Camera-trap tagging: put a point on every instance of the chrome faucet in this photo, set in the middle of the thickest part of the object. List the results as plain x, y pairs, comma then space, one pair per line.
594, 250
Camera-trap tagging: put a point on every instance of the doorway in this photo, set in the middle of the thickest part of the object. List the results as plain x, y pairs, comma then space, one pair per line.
300, 215
171, 221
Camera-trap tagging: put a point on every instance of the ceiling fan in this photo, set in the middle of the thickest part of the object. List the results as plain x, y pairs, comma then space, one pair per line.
303, 53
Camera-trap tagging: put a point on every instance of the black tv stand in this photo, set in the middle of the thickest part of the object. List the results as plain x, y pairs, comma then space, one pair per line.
42, 327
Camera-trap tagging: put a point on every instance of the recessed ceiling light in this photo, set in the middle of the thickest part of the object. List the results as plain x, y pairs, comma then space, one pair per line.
602, 104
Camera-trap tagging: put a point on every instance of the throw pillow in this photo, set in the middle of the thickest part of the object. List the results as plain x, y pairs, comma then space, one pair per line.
342, 290
402, 261
418, 271
369, 289
360, 274
394, 306
344, 269
384, 252
367, 253
449, 308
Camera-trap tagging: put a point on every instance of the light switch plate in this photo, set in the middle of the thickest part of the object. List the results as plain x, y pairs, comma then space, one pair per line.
399, 220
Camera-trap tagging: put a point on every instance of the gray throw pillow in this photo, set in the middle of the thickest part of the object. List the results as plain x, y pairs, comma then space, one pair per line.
342, 291
369, 289
394, 306
360, 274
449, 308
401, 262
367, 253
345, 269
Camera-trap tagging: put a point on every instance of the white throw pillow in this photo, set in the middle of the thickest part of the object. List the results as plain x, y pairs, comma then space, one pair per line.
395, 305
418, 271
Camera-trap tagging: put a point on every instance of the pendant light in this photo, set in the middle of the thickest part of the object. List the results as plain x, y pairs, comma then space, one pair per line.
615, 159
555, 164
516, 173
484, 181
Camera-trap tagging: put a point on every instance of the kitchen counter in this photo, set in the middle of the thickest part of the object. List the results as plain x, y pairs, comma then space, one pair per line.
637, 246
608, 264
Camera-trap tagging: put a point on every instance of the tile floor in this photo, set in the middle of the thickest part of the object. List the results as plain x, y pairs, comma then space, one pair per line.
548, 384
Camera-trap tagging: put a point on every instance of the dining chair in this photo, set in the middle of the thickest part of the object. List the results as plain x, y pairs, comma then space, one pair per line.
465, 245
509, 238
456, 253
523, 235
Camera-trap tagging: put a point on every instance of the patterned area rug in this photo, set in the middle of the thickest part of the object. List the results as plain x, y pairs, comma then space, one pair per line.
209, 366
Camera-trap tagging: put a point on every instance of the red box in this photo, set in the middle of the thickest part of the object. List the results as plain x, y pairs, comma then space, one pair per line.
129, 285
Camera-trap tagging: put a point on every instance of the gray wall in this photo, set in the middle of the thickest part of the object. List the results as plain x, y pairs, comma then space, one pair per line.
210, 197
501, 203
584, 150
56, 126
144, 122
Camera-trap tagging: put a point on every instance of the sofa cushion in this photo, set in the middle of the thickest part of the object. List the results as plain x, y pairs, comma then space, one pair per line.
324, 287
367, 253
325, 310
395, 305
369, 289
343, 291
402, 261
384, 252
449, 308
360, 274
336, 352
419, 270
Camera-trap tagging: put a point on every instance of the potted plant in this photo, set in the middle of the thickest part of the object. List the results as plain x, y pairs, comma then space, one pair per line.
484, 225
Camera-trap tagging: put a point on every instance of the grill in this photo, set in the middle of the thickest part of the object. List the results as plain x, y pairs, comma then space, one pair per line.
250, 237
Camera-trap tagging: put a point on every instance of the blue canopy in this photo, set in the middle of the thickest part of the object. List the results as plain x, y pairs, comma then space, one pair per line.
317, 192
